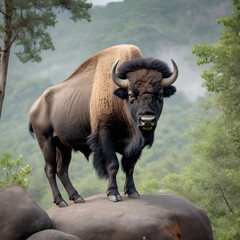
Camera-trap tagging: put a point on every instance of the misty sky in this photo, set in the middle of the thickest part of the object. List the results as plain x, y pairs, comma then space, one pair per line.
103, 2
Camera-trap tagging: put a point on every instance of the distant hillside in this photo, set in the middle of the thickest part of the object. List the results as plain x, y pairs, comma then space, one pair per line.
162, 29
150, 24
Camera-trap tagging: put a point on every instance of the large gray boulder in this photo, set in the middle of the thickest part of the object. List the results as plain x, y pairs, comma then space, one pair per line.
20, 215
51, 234
154, 216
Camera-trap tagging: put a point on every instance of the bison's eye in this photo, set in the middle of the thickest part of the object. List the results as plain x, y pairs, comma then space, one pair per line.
131, 96
159, 95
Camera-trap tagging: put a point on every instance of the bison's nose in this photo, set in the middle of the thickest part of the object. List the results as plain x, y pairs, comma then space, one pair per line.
147, 122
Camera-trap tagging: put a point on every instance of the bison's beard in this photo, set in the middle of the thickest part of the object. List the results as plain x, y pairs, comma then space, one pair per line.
138, 141
134, 146
148, 137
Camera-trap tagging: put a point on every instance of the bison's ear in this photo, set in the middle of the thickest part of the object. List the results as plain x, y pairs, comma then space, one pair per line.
121, 93
169, 91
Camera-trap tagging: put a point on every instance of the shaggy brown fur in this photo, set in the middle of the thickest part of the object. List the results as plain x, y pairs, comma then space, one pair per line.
104, 104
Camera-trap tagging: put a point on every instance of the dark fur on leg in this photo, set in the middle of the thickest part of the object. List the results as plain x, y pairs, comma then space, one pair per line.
128, 167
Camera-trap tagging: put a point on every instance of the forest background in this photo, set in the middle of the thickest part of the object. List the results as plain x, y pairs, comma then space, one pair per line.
161, 29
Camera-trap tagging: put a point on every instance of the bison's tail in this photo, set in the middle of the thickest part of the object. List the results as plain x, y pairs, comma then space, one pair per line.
30, 128
99, 162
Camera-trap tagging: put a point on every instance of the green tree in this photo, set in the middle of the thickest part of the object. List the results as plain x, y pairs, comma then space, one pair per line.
25, 23
12, 175
213, 181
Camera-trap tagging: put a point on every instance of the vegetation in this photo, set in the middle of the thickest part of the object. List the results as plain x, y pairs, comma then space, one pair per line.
12, 175
25, 23
213, 180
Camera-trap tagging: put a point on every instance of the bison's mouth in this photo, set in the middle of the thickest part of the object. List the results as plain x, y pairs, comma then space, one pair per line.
147, 128
147, 122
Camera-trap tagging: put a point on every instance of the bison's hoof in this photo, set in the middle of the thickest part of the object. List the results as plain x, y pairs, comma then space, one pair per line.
62, 204
79, 200
119, 198
115, 198
134, 195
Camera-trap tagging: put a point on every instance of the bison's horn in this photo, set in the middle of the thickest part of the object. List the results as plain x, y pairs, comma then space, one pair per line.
166, 82
118, 81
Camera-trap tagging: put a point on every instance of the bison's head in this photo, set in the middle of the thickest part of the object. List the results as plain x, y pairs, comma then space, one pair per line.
144, 83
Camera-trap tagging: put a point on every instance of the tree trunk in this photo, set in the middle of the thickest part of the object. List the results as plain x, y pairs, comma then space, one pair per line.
5, 51
3, 76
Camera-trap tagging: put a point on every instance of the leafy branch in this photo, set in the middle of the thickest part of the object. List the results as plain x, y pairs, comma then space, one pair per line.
225, 199
14, 174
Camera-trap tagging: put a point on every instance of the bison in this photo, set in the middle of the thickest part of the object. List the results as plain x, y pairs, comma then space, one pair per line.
99, 111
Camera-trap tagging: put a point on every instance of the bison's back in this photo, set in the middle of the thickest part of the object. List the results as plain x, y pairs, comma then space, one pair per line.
73, 108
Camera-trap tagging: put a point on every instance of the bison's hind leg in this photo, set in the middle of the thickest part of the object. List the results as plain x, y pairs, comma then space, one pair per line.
48, 149
64, 154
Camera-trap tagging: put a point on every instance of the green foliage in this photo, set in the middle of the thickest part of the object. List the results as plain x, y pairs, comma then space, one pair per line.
233, 233
150, 186
12, 174
213, 181
27, 23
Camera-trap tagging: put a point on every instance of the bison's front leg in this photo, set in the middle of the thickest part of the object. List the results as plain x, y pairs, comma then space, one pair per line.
109, 163
128, 167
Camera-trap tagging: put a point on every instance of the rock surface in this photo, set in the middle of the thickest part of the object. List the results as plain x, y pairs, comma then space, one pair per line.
52, 235
153, 216
20, 215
